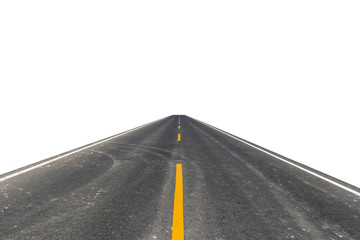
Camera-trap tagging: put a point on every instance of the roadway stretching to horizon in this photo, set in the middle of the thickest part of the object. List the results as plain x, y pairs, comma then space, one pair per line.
175, 178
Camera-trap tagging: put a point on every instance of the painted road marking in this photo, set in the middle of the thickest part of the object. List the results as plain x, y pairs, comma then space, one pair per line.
178, 216
70, 153
179, 137
284, 160
179, 127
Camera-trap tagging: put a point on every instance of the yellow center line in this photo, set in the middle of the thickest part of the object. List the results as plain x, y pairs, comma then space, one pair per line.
178, 216
179, 137
179, 127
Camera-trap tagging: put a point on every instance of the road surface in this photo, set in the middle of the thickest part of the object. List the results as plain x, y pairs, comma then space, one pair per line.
124, 188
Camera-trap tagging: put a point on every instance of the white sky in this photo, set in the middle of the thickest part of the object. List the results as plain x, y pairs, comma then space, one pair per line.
282, 74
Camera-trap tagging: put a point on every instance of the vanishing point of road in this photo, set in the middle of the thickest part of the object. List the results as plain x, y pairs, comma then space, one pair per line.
175, 178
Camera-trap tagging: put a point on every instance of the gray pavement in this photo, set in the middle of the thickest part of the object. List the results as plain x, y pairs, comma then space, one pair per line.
124, 189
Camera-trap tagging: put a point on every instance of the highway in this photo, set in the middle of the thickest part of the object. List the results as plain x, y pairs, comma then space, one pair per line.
175, 178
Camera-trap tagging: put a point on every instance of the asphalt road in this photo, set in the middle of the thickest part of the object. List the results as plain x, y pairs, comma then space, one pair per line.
123, 188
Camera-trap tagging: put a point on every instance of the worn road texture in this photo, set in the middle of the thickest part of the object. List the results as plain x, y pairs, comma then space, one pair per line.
124, 189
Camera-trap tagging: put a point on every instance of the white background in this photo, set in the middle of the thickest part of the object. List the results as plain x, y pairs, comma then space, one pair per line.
282, 74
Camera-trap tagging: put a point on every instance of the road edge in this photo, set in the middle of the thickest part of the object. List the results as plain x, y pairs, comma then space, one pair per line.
335, 181
27, 168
